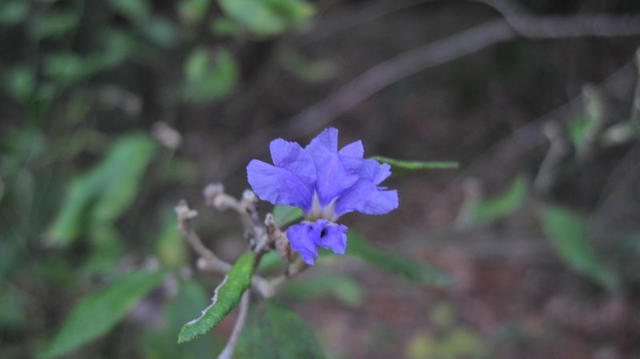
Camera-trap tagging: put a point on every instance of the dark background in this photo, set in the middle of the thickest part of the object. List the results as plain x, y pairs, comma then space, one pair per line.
78, 74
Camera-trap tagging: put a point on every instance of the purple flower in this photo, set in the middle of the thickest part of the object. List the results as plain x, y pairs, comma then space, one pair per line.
325, 183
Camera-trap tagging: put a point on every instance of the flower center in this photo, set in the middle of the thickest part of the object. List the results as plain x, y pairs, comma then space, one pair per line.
318, 211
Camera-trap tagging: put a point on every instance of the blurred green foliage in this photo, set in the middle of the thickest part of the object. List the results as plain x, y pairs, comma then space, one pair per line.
86, 191
96, 314
569, 232
269, 331
500, 205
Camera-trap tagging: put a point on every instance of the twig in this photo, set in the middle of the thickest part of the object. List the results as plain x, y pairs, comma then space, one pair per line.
184, 223
259, 283
451, 48
635, 107
215, 196
227, 353
208, 260
530, 136
558, 150
292, 271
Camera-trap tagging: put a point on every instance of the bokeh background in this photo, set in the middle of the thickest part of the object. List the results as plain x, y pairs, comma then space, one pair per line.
112, 111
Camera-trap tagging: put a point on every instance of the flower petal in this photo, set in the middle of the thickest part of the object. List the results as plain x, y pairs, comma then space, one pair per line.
332, 236
354, 149
327, 139
301, 236
291, 156
374, 171
278, 185
366, 197
332, 178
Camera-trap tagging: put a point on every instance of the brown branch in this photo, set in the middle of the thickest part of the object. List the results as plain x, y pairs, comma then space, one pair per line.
227, 352
436, 53
208, 260
185, 214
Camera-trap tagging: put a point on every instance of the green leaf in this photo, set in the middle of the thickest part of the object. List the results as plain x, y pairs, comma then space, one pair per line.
396, 263
54, 23
270, 261
161, 31
570, 234
226, 297
503, 204
132, 9
344, 289
284, 215
159, 342
275, 332
208, 77
98, 313
121, 174
584, 130
13, 12
417, 165
103, 193
305, 68
193, 11
170, 247
20, 82
223, 26
65, 67
267, 17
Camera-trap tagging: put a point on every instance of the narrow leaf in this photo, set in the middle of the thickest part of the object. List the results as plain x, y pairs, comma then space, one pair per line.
503, 204
570, 235
225, 298
417, 165
96, 314
267, 18
103, 193
275, 332
283, 215
396, 263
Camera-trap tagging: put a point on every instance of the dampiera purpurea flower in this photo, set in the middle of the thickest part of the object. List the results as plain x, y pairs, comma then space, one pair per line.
325, 182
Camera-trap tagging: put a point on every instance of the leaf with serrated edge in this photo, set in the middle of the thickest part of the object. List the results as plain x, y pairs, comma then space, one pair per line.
226, 297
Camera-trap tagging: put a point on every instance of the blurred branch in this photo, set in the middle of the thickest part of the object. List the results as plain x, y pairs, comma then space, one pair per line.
227, 352
635, 107
436, 53
208, 260
559, 147
454, 47
185, 214
530, 136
